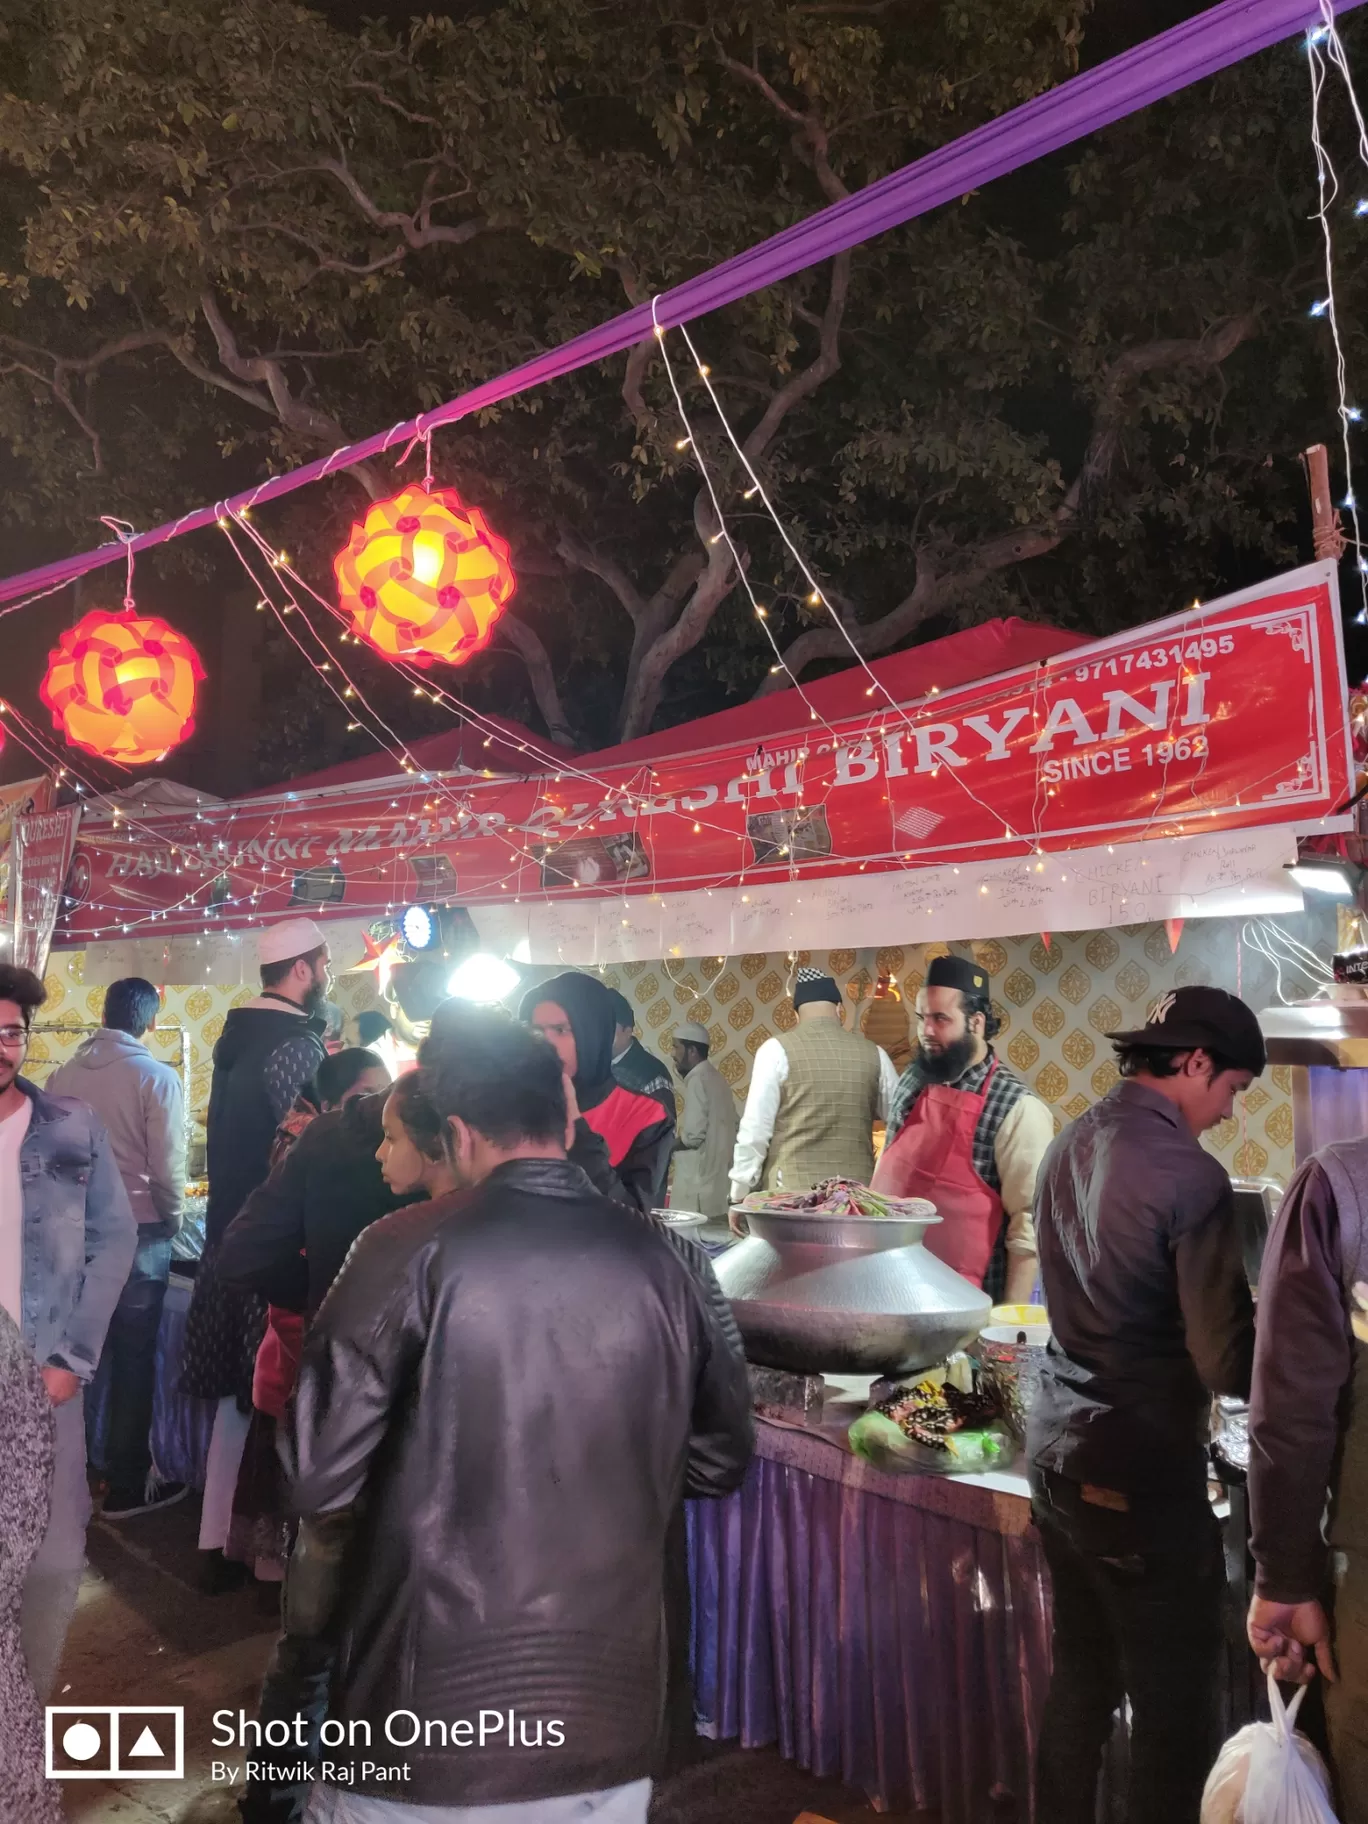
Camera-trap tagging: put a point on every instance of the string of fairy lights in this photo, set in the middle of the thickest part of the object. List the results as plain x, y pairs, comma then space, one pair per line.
1324, 47
281, 590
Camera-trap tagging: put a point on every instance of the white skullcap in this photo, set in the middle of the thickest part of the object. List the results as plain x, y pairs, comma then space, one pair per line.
692, 1034
296, 937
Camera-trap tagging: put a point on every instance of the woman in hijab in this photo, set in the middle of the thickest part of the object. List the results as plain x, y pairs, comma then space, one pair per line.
574, 1013
26, 1445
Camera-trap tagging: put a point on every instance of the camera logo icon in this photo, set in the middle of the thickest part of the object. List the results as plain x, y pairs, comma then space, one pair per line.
115, 1741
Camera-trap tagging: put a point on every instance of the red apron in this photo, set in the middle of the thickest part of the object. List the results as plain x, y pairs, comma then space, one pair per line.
933, 1157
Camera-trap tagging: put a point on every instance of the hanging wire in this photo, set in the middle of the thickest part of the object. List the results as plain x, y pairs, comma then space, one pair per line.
1278, 947
1327, 186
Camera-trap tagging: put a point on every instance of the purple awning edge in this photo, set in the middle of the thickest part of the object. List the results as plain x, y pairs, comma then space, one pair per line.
1213, 41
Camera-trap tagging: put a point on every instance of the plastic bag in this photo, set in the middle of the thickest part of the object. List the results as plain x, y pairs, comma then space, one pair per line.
1268, 1774
880, 1441
947, 1422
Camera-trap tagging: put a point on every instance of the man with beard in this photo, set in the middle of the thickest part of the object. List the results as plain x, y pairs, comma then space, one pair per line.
267, 1052
966, 1132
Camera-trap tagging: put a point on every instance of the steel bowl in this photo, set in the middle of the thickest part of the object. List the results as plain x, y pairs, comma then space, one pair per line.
823, 1294
681, 1219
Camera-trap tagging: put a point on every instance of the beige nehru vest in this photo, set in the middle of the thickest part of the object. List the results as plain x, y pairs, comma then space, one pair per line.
827, 1111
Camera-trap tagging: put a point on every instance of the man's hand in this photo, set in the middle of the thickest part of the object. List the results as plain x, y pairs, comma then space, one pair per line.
1358, 1317
572, 1109
735, 1221
1280, 1634
62, 1385
1022, 1272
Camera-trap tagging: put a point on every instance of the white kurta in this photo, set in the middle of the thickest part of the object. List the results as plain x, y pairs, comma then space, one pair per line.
707, 1134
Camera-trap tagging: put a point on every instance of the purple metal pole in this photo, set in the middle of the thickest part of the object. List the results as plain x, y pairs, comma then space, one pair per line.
1158, 68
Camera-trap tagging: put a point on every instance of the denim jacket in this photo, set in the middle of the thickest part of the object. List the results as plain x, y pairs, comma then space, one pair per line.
79, 1232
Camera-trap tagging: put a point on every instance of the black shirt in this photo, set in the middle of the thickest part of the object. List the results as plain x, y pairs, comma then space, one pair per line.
292, 1235
1149, 1307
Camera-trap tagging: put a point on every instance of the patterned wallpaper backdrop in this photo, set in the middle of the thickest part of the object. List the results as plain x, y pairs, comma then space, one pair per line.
1056, 1004
188, 1025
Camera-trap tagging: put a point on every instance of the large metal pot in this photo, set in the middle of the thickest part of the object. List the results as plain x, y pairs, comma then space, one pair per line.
847, 1294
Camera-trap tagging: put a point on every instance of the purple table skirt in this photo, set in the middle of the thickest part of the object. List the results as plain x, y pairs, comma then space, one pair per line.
892, 1632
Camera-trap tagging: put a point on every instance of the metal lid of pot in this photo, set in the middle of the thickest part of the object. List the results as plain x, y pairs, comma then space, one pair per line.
1332, 1034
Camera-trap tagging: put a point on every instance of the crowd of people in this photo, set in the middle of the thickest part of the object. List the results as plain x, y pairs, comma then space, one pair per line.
465, 1379
574, 1563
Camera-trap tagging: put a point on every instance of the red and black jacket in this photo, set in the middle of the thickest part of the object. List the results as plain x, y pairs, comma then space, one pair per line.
636, 1130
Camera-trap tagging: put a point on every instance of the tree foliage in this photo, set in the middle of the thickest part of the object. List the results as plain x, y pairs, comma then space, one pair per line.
234, 237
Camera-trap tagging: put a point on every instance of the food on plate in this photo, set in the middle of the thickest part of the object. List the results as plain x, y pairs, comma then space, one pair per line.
838, 1197
932, 1415
951, 1419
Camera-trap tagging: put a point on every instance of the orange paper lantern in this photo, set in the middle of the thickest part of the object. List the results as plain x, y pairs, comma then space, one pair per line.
122, 686
424, 578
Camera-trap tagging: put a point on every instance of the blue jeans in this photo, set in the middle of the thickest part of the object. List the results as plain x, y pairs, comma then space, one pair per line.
119, 1403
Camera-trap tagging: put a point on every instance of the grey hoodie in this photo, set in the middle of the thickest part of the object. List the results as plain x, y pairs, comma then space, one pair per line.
141, 1104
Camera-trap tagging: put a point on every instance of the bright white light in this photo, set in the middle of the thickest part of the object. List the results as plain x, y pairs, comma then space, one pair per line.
1333, 881
416, 925
429, 554
484, 979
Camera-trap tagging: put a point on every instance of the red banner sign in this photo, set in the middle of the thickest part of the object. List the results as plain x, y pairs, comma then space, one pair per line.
1232, 715
43, 844
16, 801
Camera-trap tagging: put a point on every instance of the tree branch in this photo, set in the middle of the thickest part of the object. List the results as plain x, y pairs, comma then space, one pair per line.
583, 557
417, 228
634, 380
811, 137
326, 263
937, 590
812, 140
63, 368
250, 374
651, 661
802, 385
665, 631
386, 100
528, 645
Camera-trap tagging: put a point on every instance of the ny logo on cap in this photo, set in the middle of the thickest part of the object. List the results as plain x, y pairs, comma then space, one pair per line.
1161, 1009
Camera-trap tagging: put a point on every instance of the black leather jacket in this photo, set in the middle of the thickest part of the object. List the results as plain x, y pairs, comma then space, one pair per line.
517, 1385
290, 1238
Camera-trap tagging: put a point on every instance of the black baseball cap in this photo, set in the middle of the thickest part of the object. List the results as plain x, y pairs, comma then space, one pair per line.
1185, 1018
